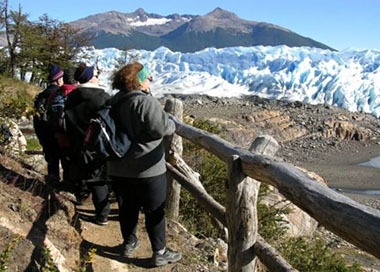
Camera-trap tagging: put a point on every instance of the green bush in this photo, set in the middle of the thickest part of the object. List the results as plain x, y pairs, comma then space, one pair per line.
213, 174
33, 144
5, 254
16, 97
313, 255
213, 177
271, 222
48, 264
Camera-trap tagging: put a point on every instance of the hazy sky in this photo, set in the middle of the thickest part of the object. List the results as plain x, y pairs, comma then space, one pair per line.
339, 24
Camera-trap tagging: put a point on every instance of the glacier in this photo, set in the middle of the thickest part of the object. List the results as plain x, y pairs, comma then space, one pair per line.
349, 79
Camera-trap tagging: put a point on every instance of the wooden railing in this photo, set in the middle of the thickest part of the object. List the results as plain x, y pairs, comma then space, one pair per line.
354, 222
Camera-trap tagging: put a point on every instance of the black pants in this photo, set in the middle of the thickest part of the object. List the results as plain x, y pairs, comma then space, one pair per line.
49, 145
81, 180
100, 197
149, 194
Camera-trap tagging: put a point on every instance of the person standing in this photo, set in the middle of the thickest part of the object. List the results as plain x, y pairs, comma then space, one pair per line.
80, 105
139, 178
41, 127
57, 123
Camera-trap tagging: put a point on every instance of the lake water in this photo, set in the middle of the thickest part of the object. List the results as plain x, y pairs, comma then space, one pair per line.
359, 191
375, 162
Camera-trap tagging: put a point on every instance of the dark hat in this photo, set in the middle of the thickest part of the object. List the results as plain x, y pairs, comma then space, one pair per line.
54, 73
84, 73
69, 76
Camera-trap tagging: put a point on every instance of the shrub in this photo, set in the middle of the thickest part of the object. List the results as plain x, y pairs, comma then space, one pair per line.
196, 219
48, 265
4, 255
313, 255
33, 144
213, 177
16, 97
271, 222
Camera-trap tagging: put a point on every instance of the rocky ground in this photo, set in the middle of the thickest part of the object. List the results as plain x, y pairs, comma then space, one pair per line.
323, 139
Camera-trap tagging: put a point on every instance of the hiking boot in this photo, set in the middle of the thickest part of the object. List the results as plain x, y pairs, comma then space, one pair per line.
82, 197
129, 248
101, 220
169, 256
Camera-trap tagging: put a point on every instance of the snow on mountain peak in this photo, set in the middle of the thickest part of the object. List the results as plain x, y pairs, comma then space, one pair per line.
349, 79
149, 21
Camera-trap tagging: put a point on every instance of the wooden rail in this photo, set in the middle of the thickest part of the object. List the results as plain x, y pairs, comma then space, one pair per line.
354, 222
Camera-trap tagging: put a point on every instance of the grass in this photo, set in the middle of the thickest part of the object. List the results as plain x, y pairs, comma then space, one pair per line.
32, 144
4, 255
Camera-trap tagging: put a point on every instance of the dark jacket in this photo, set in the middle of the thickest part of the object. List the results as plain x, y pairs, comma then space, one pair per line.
82, 103
146, 123
41, 102
40, 119
56, 114
80, 106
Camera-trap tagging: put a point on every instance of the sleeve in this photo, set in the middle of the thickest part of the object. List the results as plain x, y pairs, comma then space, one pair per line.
155, 120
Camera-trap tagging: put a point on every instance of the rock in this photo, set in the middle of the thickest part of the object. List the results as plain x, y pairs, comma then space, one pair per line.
264, 144
13, 140
345, 130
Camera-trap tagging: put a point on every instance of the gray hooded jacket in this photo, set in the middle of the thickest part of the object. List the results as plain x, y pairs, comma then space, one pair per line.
146, 123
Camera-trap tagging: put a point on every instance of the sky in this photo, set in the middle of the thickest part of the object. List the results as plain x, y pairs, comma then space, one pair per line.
340, 24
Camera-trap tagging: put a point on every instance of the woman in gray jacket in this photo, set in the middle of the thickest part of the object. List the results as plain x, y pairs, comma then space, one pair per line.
139, 178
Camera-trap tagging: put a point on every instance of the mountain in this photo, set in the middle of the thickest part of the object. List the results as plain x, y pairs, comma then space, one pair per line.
347, 79
185, 33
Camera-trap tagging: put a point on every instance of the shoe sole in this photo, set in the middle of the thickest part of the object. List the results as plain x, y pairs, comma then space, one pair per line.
101, 223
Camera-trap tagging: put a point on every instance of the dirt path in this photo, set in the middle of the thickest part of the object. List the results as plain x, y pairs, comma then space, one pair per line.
106, 241
102, 238
23, 195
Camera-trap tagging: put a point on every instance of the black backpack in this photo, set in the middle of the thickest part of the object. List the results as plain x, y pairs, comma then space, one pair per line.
102, 136
41, 103
56, 112
40, 107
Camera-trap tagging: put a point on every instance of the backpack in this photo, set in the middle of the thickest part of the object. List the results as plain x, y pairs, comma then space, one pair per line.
102, 136
56, 108
40, 103
56, 111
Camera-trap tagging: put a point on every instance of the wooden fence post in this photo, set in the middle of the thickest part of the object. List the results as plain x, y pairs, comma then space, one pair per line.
241, 209
263, 145
174, 144
241, 216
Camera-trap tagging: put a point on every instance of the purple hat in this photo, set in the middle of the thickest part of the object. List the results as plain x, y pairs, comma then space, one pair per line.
55, 73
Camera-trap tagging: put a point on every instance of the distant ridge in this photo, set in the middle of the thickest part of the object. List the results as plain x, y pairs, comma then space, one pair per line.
185, 33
